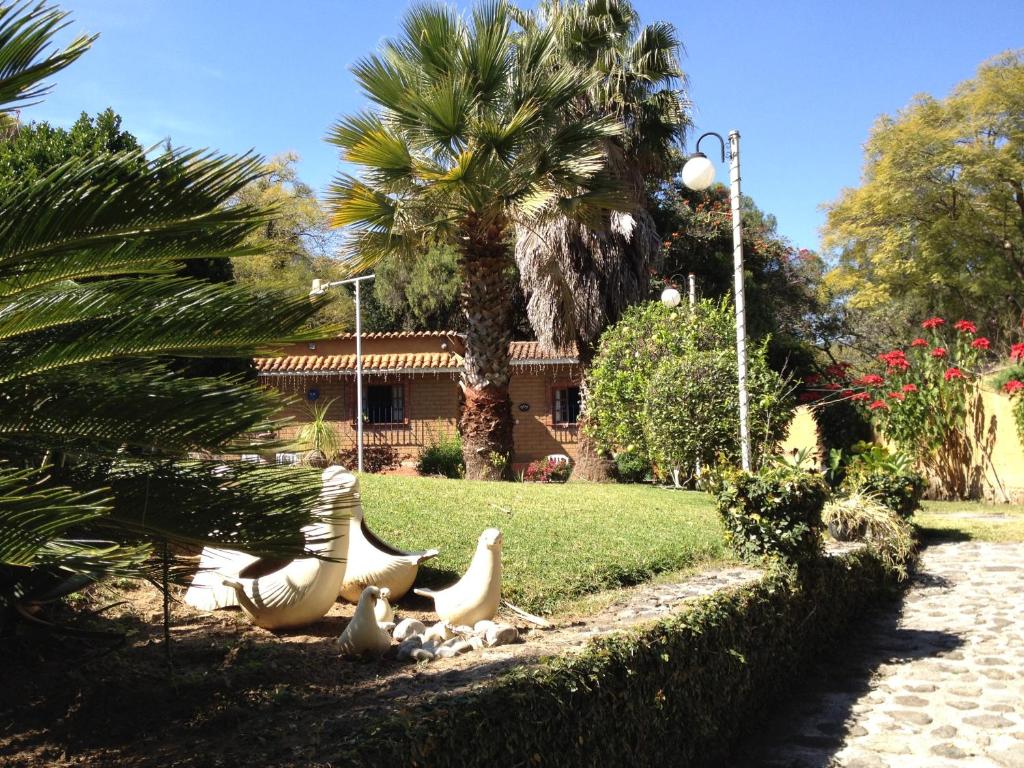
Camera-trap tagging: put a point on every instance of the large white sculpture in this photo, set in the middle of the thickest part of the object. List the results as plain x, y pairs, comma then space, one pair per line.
362, 634
475, 596
371, 561
276, 594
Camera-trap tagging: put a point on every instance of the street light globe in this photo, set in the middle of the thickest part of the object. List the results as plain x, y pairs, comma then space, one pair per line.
698, 173
670, 298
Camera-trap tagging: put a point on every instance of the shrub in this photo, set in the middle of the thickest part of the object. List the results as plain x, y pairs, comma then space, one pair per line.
899, 491
442, 456
663, 386
376, 458
631, 467
547, 471
864, 516
775, 513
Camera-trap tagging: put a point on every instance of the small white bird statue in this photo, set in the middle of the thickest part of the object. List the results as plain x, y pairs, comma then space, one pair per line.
475, 596
278, 594
371, 561
362, 635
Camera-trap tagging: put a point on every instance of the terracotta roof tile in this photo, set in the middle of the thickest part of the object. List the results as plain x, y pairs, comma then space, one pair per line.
330, 363
520, 353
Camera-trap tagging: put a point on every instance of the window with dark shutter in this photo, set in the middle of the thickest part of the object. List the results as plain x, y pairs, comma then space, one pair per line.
566, 408
384, 404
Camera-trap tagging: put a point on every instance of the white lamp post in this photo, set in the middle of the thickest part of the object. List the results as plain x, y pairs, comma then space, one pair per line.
319, 288
698, 174
670, 297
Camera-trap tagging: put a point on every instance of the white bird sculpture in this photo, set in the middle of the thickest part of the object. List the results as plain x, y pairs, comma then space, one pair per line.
277, 594
362, 634
371, 561
475, 596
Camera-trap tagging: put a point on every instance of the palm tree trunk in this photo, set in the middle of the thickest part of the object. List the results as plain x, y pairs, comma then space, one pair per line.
592, 464
486, 420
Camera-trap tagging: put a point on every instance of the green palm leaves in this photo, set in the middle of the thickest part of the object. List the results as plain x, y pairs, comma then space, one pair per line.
470, 120
96, 419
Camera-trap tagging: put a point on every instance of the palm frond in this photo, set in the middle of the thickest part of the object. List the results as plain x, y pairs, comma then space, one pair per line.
25, 34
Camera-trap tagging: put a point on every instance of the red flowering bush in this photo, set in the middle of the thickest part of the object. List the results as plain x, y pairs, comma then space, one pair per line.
921, 401
547, 471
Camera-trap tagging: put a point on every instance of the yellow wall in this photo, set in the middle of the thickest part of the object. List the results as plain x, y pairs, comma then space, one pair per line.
997, 457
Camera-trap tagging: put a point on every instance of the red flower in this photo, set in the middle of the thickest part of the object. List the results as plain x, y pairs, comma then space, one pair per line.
965, 326
939, 352
838, 370
806, 397
919, 342
1017, 352
878, 404
871, 379
1013, 386
932, 322
860, 396
910, 388
953, 373
896, 360
897, 396
981, 343
811, 379
832, 386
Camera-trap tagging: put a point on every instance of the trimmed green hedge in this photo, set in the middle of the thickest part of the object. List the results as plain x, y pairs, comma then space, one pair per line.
674, 693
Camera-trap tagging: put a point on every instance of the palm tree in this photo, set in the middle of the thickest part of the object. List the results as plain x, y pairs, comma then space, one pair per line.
579, 278
97, 421
469, 138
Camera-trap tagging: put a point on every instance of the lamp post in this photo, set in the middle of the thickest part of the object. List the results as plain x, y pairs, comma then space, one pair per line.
698, 173
319, 288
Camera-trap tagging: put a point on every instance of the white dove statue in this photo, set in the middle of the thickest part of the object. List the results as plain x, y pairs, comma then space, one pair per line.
362, 634
371, 561
475, 596
278, 594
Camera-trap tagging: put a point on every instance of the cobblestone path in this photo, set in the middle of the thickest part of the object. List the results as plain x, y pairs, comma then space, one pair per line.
936, 685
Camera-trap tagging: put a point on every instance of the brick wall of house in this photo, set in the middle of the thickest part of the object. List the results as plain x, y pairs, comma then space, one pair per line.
432, 407
535, 434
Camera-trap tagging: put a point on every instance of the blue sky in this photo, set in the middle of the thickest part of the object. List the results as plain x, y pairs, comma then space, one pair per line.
801, 81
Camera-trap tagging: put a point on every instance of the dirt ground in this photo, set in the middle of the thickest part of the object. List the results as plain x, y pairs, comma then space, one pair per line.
238, 695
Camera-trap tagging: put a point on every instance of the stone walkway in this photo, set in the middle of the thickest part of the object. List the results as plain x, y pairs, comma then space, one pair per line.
936, 685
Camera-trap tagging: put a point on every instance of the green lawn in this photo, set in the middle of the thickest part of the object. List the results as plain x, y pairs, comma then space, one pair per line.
560, 541
945, 520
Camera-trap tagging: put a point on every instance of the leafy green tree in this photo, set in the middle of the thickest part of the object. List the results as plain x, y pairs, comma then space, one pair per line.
469, 138
937, 225
580, 277
663, 386
96, 423
31, 151
294, 245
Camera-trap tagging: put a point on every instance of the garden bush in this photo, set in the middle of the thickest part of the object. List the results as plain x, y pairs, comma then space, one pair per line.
442, 456
376, 458
773, 513
631, 467
547, 471
680, 691
663, 387
899, 491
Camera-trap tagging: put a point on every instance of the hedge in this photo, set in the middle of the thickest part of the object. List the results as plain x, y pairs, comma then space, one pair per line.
677, 692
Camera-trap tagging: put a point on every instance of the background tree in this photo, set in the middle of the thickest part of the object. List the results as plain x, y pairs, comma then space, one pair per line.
579, 278
786, 296
470, 137
937, 224
294, 245
96, 421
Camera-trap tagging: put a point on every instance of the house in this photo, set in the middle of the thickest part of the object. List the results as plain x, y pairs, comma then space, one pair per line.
411, 391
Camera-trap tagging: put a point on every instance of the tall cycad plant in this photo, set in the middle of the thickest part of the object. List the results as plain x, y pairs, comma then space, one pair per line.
470, 137
579, 278
95, 418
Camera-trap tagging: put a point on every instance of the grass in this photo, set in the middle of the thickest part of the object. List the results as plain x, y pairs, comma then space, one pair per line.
946, 520
561, 542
